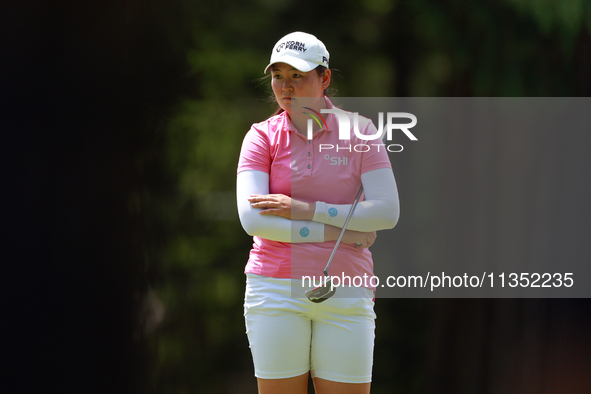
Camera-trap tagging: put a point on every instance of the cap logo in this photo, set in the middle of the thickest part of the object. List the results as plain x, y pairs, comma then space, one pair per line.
295, 45
324, 59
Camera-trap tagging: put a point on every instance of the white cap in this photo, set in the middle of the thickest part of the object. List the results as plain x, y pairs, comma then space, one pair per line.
300, 50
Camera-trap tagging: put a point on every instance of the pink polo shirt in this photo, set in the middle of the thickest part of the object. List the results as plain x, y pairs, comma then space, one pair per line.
322, 169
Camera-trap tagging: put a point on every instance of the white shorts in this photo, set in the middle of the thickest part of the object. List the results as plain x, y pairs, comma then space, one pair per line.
290, 336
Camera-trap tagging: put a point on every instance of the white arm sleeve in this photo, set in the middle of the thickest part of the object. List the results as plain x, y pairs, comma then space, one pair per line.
379, 211
271, 227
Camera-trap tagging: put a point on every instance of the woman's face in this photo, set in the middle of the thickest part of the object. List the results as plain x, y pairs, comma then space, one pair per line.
287, 82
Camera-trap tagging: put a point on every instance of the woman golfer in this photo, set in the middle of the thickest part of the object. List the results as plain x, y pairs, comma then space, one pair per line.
295, 187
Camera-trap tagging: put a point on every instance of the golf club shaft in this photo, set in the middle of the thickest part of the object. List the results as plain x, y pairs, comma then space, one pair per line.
343, 230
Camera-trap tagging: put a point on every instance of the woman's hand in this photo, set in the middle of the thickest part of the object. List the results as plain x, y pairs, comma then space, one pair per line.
358, 239
282, 205
361, 240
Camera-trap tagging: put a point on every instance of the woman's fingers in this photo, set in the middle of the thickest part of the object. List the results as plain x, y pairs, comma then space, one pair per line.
257, 198
264, 201
367, 240
272, 204
264, 204
263, 197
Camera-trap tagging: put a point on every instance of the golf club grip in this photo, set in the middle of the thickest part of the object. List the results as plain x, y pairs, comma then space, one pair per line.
334, 250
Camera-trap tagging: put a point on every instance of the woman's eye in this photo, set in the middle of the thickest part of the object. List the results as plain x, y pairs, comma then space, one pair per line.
297, 75
276, 76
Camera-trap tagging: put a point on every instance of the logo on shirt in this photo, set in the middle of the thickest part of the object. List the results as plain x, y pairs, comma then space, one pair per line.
336, 161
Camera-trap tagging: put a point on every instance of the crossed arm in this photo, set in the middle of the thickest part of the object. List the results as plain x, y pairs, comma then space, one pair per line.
280, 218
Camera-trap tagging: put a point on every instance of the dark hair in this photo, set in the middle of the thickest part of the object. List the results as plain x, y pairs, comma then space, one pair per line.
329, 91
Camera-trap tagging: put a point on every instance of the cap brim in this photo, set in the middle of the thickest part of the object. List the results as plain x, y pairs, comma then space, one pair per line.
295, 62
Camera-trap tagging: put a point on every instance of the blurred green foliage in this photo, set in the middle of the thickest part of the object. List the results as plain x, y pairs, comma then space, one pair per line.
379, 48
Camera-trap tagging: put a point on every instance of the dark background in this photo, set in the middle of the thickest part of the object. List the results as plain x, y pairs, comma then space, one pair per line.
123, 255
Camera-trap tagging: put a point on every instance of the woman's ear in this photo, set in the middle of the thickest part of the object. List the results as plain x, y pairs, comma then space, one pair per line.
326, 78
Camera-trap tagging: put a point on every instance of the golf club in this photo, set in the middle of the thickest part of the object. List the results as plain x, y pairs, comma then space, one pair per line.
325, 291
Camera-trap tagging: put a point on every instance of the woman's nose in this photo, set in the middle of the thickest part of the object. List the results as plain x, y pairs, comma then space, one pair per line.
287, 86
